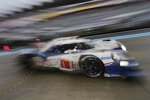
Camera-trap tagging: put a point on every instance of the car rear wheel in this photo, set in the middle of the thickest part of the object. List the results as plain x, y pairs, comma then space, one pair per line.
36, 62
91, 66
32, 62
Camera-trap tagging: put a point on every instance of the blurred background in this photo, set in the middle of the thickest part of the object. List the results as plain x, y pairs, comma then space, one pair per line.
25, 22
22, 22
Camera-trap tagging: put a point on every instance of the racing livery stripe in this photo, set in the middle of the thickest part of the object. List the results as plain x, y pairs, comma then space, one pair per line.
106, 58
109, 63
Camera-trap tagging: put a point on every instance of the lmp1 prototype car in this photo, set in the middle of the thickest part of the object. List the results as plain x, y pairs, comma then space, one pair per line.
93, 58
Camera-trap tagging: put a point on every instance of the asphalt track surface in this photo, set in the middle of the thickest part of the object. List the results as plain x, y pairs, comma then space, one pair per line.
18, 83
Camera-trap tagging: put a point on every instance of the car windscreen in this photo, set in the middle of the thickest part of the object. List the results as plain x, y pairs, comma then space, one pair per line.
72, 46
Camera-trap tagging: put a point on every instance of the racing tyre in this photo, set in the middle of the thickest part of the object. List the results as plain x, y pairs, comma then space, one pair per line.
91, 66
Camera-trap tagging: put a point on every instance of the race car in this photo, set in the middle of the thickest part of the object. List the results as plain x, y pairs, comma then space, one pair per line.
79, 55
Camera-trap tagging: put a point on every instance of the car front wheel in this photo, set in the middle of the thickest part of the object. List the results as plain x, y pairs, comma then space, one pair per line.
91, 66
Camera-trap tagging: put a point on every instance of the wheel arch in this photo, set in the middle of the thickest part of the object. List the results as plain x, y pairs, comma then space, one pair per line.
23, 59
82, 56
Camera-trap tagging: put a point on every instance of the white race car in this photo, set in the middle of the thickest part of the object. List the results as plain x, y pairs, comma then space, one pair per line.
93, 58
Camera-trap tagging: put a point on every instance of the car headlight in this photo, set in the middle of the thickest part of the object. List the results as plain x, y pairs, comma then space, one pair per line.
123, 48
124, 63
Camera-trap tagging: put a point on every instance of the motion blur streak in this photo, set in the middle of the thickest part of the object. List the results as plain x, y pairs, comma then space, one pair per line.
126, 36
50, 15
18, 5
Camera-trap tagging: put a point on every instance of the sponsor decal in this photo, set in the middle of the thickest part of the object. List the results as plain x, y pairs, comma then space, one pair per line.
74, 65
65, 63
105, 58
108, 63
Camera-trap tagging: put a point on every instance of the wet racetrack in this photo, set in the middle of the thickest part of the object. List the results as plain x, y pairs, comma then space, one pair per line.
18, 83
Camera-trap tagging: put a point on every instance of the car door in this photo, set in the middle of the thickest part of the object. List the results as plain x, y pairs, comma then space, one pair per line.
53, 57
